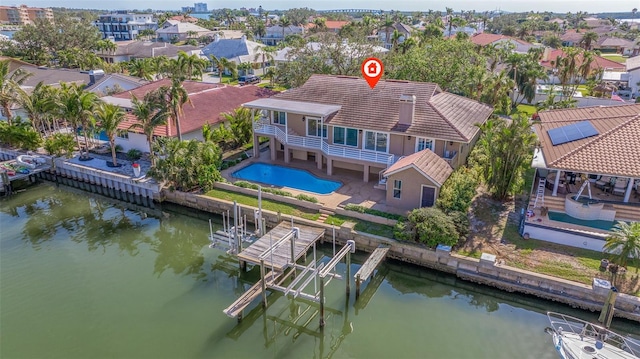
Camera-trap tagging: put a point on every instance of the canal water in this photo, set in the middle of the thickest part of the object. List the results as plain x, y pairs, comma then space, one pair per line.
83, 276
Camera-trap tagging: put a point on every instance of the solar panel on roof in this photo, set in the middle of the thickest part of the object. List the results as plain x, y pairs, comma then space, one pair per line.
572, 132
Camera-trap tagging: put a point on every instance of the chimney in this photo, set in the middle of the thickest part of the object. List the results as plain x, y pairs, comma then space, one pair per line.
546, 54
407, 109
94, 76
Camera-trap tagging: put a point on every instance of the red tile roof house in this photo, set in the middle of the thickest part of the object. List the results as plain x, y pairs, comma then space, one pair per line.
209, 102
596, 147
408, 136
550, 56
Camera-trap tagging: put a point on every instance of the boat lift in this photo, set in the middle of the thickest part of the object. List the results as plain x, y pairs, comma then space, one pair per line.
232, 238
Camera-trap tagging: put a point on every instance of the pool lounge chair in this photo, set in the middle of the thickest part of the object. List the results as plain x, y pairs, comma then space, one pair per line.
621, 186
603, 181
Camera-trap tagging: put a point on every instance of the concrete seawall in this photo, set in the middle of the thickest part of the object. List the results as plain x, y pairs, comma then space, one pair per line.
503, 277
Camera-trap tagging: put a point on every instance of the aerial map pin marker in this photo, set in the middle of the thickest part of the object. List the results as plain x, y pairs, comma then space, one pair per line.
372, 71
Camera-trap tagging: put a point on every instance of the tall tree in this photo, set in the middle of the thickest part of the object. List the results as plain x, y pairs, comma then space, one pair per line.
142, 68
10, 86
505, 148
108, 117
76, 106
241, 124
175, 96
284, 22
39, 105
624, 242
150, 113
588, 38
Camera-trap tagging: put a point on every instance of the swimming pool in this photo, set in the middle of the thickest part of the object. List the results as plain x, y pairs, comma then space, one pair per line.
286, 177
563, 217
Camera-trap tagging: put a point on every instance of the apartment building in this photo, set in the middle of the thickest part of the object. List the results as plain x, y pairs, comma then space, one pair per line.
23, 15
121, 26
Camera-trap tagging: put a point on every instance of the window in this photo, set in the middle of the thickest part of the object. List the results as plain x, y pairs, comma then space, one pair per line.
123, 134
423, 143
376, 141
397, 188
279, 118
345, 136
315, 128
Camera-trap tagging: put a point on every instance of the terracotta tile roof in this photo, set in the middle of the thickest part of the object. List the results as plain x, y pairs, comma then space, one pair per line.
484, 39
598, 63
425, 162
632, 63
438, 114
208, 100
330, 24
614, 151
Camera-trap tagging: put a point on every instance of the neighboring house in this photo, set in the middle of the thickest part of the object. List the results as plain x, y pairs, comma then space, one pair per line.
329, 26
128, 50
486, 39
122, 26
183, 18
237, 50
208, 102
403, 29
633, 68
550, 56
571, 38
604, 152
615, 44
273, 34
408, 135
181, 31
103, 84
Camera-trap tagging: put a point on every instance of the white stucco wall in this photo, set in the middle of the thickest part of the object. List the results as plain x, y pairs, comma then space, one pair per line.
135, 140
110, 82
568, 239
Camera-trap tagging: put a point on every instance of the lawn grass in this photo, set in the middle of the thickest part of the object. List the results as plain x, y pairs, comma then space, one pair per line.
228, 80
529, 110
615, 57
247, 200
276, 88
362, 226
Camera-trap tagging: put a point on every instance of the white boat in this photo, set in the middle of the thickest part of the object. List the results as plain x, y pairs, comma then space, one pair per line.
574, 338
30, 161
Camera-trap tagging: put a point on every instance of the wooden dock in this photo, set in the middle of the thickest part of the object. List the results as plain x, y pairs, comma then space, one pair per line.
281, 257
235, 309
276, 260
369, 266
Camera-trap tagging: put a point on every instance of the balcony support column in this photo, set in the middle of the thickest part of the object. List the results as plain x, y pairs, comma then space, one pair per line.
555, 184
272, 148
329, 166
256, 146
319, 159
627, 193
366, 174
287, 154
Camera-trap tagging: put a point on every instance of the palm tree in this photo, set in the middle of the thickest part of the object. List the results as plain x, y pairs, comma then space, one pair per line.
284, 22
624, 242
109, 117
10, 86
76, 106
39, 105
387, 26
141, 68
265, 54
174, 99
588, 38
150, 113
189, 66
634, 11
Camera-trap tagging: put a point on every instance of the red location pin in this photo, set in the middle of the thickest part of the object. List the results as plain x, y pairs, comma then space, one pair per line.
372, 71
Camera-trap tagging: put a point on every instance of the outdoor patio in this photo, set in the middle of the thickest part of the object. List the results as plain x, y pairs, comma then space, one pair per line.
353, 189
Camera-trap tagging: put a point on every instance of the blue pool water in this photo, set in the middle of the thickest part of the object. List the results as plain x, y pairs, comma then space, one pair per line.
286, 177
563, 217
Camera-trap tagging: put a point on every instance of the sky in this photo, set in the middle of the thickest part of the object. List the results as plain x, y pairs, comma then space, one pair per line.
561, 6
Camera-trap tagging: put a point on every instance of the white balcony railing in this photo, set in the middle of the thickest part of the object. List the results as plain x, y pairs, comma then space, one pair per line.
317, 143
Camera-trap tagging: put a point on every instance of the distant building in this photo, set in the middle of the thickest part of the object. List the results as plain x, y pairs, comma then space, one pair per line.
182, 31
23, 15
200, 7
186, 9
122, 26
128, 50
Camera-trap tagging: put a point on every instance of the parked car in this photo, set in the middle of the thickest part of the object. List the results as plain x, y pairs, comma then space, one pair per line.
248, 79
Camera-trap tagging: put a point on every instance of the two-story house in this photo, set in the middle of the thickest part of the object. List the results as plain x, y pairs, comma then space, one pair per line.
406, 136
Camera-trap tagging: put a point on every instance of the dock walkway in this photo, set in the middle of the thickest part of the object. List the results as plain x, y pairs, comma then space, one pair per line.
281, 257
235, 309
369, 266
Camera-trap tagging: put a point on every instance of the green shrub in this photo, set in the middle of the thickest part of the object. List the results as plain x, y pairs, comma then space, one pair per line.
134, 154
305, 197
20, 134
245, 184
60, 144
458, 191
243, 156
429, 226
375, 212
279, 192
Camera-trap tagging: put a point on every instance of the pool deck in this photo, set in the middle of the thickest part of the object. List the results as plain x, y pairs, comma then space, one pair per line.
353, 190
